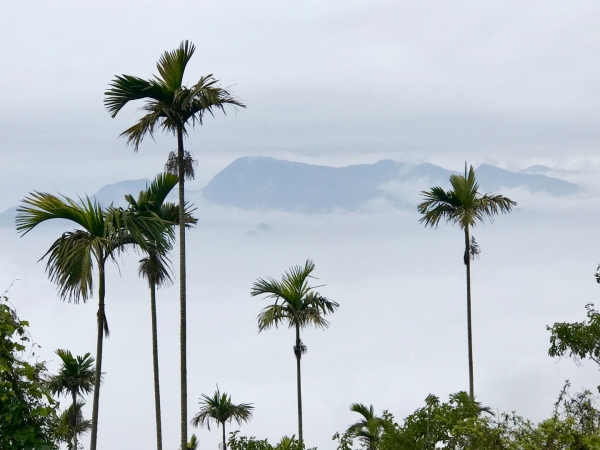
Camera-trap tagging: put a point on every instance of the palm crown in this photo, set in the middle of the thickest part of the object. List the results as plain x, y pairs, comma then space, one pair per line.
462, 204
169, 105
220, 409
101, 234
155, 266
368, 429
296, 303
76, 376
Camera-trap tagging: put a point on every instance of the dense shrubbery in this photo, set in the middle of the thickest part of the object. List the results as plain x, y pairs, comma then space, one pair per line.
463, 424
251, 443
26, 407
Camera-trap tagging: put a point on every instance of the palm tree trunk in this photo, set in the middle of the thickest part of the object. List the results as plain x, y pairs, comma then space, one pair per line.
298, 356
182, 290
224, 441
99, 342
469, 325
74, 419
155, 364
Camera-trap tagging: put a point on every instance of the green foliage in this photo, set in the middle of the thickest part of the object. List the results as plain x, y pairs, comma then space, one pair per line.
236, 442
464, 424
193, 444
368, 429
578, 340
63, 428
26, 407
76, 377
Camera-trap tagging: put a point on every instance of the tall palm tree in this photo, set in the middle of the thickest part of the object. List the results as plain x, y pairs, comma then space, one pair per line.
220, 409
368, 429
172, 107
298, 306
155, 266
73, 257
76, 377
465, 206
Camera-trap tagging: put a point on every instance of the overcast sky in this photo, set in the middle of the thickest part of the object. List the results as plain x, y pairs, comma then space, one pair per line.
511, 83
507, 82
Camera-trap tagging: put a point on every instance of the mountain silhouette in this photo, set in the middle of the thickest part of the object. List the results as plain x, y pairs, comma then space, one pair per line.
268, 183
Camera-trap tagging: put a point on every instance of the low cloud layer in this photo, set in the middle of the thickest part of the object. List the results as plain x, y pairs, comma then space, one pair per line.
400, 332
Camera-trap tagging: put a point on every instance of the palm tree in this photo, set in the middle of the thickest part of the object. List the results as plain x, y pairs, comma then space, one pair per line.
219, 409
72, 258
172, 107
75, 377
67, 431
465, 206
287, 443
193, 444
298, 305
155, 266
368, 429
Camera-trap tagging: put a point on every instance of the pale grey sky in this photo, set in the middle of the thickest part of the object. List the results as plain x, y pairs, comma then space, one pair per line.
507, 82
511, 83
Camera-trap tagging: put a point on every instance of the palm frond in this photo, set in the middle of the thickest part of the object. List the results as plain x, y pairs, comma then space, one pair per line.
273, 315
156, 268
40, 206
71, 263
205, 98
155, 194
126, 88
146, 125
171, 66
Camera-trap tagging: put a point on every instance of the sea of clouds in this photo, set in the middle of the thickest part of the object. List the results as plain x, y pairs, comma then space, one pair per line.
399, 334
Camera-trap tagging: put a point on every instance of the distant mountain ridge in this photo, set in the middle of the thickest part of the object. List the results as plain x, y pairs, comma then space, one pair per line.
269, 183
261, 183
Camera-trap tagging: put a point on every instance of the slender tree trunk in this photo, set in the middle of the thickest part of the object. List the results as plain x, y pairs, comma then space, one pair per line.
99, 342
298, 353
469, 324
155, 364
224, 441
74, 419
182, 290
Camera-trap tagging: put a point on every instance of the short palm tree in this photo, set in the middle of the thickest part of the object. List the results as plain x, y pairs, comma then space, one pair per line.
368, 429
193, 444
155, 266
65, 431
220, 409
99, 235
76, 377
465, 206
171, 107
298, 306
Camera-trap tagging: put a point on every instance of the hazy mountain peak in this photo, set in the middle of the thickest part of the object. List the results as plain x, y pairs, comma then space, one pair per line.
269, 183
